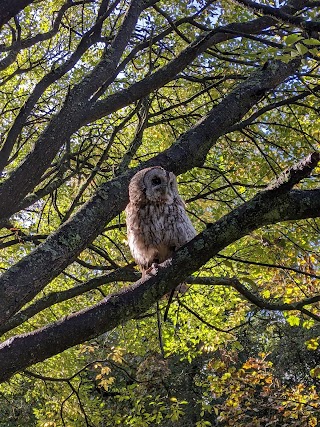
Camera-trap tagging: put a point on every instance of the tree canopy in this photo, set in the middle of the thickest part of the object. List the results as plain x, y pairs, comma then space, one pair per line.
226, 95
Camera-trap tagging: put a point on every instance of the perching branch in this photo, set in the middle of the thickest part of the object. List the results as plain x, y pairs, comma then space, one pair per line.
267, 207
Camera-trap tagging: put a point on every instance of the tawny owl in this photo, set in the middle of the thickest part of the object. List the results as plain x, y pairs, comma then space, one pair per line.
157, 223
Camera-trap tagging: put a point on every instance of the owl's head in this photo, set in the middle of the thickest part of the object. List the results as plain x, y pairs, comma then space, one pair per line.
155, 185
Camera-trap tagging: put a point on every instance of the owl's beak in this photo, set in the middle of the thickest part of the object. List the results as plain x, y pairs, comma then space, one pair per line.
164, 189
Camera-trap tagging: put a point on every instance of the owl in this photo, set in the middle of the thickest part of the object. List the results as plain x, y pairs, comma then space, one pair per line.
157, 222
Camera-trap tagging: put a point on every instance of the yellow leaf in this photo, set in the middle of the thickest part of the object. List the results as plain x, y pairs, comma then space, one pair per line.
266, 293
313, 422
312, 344
315, 372
293, 320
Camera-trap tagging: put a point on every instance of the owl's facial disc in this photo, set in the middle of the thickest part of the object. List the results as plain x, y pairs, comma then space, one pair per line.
159, 188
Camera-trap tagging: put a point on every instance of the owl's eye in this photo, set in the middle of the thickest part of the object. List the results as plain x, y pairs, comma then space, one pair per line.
156, 181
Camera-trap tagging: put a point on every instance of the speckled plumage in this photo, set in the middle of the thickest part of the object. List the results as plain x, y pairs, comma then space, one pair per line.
157, 223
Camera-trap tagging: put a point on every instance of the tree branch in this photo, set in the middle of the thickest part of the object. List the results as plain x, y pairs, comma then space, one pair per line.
280, 15
267, 207
121, 275
291, 176
266, 305
10, 8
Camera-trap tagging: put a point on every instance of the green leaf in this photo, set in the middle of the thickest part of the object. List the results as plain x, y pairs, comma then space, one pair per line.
292, 38
311, 42
301, 48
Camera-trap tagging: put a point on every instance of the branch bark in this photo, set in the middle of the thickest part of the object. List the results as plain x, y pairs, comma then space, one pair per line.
10, 8
20, 283
281, 15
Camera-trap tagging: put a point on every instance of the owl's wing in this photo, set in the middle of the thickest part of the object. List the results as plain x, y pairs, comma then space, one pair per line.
184, 228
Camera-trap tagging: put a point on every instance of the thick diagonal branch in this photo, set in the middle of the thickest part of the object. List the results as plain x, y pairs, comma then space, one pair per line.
291, 176
266, 208
10, 8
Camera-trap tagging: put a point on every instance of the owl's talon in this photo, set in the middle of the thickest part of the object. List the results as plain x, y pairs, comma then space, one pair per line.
153, 269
